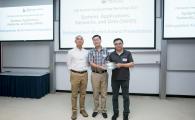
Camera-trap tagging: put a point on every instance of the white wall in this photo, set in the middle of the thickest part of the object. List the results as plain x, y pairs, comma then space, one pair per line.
25, 56
181, 83
144, 77
181, 67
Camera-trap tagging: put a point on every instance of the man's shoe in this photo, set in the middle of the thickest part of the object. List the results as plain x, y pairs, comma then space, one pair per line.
115, 116
74, 116
94, 114
84, 113
104, 115
125, 116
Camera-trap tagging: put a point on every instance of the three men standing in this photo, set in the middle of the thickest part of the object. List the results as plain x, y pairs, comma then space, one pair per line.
78, 59
99, 77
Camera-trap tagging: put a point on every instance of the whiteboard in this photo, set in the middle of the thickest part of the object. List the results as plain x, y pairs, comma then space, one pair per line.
25, 54
180, 55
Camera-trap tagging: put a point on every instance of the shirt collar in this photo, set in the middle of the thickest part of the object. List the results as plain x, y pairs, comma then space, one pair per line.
76, 48
97, 50
121, 53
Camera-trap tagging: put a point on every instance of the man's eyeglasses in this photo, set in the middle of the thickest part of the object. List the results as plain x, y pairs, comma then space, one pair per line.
118, 43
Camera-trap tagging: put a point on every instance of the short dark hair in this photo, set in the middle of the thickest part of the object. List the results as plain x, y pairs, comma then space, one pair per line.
118, 39
97, 36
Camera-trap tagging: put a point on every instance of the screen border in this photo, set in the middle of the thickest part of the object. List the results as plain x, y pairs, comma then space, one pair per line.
154, 47
38, 39
163, 31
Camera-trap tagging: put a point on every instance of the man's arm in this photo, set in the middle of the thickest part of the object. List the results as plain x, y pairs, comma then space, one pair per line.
91, 61
96, 65
125, 65
130, 63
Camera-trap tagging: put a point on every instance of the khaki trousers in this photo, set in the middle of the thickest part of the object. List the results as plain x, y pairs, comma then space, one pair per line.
78, 83
100, 85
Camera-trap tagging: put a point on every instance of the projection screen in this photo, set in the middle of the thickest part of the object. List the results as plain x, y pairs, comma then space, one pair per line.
179, 19
131, 20
26, 20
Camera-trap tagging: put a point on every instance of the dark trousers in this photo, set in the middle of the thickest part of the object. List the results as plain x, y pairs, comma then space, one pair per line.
124, 84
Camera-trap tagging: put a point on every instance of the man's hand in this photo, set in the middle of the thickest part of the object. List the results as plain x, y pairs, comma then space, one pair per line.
98, 66
102, 67
118, 65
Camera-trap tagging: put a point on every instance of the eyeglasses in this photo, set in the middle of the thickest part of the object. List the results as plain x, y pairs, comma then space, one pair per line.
118, 43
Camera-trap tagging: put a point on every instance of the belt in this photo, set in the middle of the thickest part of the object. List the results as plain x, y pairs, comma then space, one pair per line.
100, 72
81, 72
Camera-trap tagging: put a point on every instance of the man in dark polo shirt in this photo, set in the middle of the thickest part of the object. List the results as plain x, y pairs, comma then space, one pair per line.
120, 77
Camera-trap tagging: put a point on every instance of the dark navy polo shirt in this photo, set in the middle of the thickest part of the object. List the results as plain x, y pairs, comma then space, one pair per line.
121, 73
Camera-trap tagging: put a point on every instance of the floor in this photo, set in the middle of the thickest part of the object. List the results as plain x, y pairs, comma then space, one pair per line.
58, 107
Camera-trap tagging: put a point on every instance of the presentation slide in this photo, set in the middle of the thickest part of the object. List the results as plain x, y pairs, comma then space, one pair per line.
26, 23
131, 20
179, 19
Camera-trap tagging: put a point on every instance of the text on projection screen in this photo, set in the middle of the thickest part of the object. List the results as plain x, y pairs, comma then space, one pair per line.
26, 23
131, 20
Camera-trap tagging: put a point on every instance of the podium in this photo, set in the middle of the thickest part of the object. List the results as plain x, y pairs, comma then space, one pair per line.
26, 85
